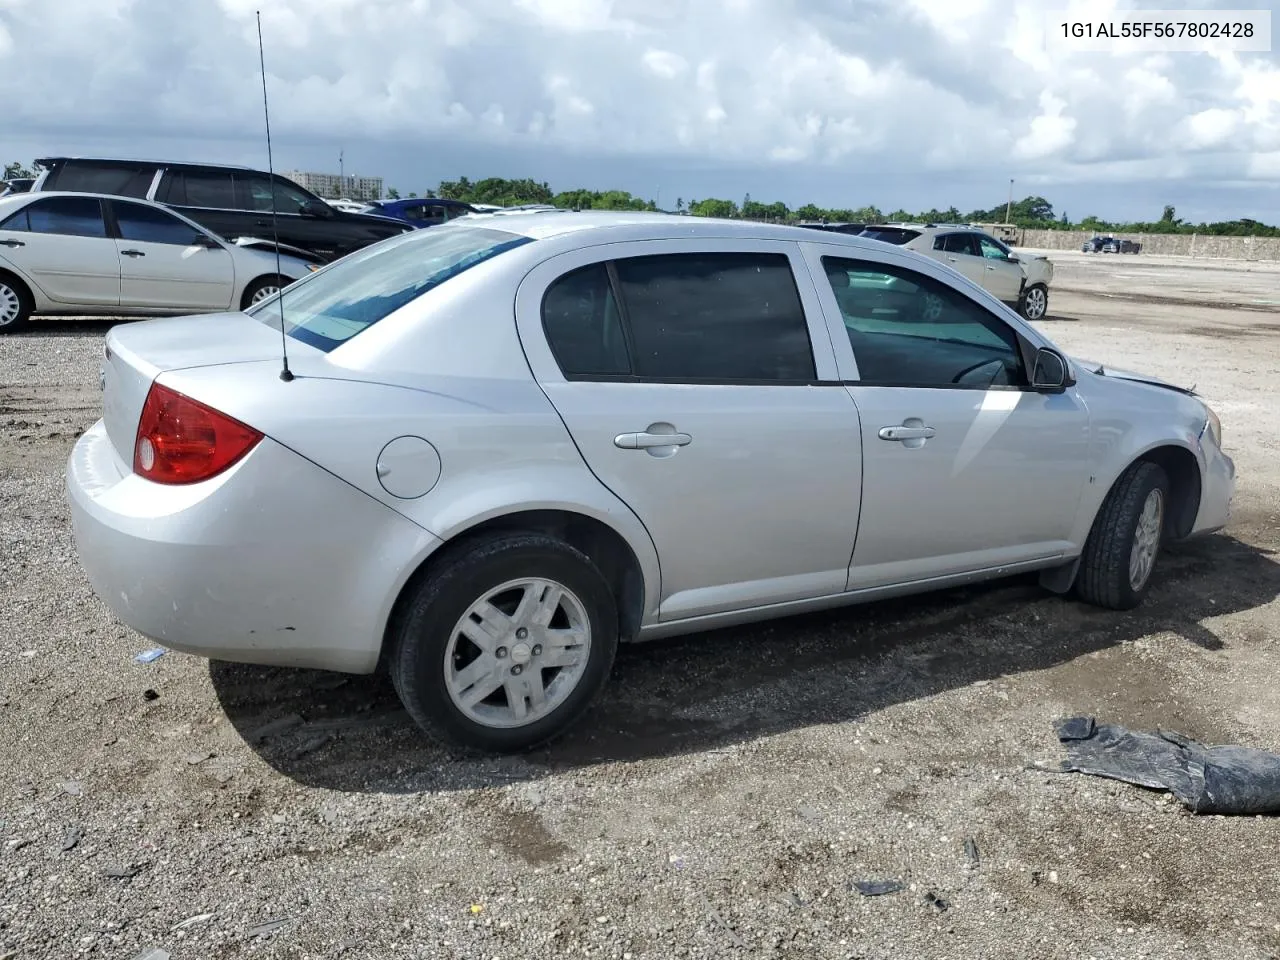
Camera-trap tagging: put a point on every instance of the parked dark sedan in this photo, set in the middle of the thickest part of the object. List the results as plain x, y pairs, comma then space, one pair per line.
232, 202
421, 211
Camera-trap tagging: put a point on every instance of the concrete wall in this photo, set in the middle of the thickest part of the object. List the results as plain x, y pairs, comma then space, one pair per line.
1168, 244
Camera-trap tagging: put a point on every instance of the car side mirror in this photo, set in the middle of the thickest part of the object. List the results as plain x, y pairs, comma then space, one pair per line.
208, 242
318, 209
1050, 372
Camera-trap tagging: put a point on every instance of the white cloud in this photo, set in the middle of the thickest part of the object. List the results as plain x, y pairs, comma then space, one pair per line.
930, 88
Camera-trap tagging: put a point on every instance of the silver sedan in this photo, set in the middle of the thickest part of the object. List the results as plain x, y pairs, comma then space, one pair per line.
500, 447
95, 255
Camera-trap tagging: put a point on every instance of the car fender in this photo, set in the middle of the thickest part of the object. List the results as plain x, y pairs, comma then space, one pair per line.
509, 454
1152, 417
42, 300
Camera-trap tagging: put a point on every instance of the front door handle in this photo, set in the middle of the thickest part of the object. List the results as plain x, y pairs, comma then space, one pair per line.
12, 243
951, 259
132, 253
905, 432
645, 441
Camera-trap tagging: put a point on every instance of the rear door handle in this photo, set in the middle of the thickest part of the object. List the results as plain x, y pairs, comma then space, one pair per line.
643, 441
132, 253
12, 243
907, 433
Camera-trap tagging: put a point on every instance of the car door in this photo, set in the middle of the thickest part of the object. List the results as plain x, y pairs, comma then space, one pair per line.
960, 252
62, 244
209, 198
1002, 277
696, 379
302, 220
167, 263
965, 467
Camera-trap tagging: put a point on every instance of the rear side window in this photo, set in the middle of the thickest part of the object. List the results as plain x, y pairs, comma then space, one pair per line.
583, 326
213, 189
65, 216
327, 308
115, 179
957, 243
149, 225
715, 316
895, 235
688, 318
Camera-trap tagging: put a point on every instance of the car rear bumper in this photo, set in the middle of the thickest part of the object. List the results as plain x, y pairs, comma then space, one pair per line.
275, 561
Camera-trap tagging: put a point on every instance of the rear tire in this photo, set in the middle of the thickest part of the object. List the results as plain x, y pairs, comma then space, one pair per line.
262, 288
15, 304
1120, 555
511, 681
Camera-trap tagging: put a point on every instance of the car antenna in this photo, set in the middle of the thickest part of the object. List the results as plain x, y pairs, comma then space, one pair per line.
285, 374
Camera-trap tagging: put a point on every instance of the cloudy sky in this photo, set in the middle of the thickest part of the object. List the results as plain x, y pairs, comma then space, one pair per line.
912, 103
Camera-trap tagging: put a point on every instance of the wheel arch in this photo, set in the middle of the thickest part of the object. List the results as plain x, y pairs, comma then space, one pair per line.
603, 543
24, 287
1182, 467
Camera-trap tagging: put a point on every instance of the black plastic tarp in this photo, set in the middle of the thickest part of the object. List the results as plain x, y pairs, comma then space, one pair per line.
1223, 779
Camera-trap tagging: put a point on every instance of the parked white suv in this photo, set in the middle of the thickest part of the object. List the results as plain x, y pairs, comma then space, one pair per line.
1019, 279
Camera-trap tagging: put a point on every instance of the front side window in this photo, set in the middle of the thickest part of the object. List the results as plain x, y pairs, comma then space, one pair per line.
910, 330
149, 225
993, 249
715, 316
65, 216
327, 308
256, 194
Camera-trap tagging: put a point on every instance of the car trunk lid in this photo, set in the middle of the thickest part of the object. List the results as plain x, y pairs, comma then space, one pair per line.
136, 353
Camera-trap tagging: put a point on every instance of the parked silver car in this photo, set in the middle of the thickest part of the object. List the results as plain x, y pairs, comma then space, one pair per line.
96, 255
508, 443
1019, 278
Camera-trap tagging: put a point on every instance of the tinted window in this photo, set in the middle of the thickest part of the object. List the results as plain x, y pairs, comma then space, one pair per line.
255, 194
121, 181
204, 189
16, 222
583, 327
909, 329
715, 316
149, 225
67, 216
898, 235
957, 243
329, 307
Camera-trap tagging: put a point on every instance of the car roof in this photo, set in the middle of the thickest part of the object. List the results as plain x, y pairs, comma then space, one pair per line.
621, 225
134, 161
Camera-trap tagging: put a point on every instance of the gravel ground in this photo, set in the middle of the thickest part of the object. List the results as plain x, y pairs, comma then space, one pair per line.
721, 799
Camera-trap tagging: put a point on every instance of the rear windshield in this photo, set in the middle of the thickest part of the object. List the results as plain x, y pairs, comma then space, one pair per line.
898, 235
328, 308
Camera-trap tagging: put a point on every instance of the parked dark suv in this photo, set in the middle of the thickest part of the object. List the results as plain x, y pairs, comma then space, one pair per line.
231, 201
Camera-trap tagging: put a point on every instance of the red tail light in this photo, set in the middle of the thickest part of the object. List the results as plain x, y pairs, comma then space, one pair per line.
183, 441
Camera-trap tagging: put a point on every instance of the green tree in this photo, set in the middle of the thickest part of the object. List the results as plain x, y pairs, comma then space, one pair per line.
412, 195
679, 204
15, 170
713, 208
393, 193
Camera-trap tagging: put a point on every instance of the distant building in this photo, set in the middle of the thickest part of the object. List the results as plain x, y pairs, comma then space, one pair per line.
335, 186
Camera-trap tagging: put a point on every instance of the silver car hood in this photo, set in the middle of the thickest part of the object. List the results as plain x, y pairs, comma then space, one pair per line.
1115, 373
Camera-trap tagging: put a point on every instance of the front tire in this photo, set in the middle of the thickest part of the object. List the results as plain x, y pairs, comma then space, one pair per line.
505, 644
15, 305
1034, 304
1120, 555
261, 289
